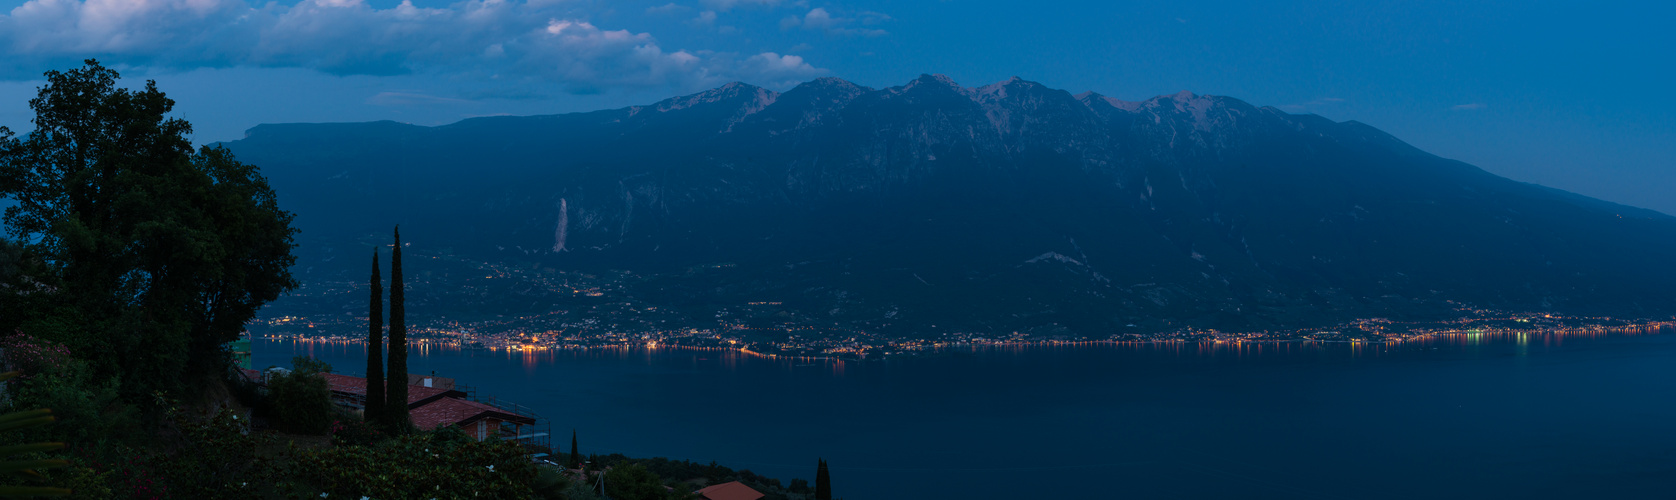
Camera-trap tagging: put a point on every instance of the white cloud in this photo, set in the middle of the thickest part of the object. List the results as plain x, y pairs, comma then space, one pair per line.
668, 9
706, 18
779, 63
781, 70
506, 39
724, 5
819, 19
1468, 107
70, 26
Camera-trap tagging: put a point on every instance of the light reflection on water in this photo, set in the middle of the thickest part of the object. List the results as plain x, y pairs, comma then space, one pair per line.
278, 352
1308, 418
1522, 343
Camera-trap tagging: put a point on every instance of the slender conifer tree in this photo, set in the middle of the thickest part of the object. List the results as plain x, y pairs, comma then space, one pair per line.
395, 402
823, 482
575, 455
375, 347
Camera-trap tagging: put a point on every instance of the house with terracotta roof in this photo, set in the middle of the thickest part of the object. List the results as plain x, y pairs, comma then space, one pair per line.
350, 392
729, 491
479, 420
435, 402
430, 381
441, 405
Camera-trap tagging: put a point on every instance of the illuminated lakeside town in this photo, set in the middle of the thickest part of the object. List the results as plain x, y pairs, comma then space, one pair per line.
801, 342
472, 304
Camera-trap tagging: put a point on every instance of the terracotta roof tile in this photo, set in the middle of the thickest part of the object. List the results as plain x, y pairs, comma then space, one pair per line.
346, 384
358, 386
452, 411
431, 407
729, 491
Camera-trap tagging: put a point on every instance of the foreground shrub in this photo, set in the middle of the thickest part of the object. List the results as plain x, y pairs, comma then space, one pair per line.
301, 400
634, 482
30, 355
213, 456
551, 484
20, 461
442, 464
86, 411
351, 430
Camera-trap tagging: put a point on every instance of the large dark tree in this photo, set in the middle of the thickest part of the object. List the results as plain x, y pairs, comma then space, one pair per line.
11, 262
154, 254
395, 406
375, 346
823, 482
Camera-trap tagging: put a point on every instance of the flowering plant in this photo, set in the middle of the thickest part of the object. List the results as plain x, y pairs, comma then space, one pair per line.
353, 431
32, 355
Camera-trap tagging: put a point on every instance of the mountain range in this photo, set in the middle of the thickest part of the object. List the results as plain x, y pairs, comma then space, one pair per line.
932, 207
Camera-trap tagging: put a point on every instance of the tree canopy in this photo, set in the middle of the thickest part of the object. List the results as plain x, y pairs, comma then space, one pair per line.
152, 254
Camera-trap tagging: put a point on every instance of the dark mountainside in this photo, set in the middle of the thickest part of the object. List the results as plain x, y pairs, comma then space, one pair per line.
1008, 207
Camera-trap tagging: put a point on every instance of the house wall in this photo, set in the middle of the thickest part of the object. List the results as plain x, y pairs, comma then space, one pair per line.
486, 428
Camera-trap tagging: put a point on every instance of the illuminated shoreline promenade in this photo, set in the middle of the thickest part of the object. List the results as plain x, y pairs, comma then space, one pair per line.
1366, 332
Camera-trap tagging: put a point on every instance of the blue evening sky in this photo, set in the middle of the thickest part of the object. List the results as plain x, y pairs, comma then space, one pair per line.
1574, 95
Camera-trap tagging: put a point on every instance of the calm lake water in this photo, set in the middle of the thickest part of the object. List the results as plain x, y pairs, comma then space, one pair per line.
1467, 416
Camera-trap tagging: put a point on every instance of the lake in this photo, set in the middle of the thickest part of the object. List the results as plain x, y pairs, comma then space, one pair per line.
1461, 416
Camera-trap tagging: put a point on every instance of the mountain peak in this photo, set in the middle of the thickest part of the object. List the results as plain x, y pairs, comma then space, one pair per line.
811, 103
831, 81
938, 79
1000, 90
1090, 98
755, 97
1181, 102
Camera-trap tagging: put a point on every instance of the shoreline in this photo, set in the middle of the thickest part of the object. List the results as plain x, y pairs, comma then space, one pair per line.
914, 348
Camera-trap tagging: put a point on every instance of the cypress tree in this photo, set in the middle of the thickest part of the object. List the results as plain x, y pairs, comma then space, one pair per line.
395, 402
375, 347
823, 482
575, 456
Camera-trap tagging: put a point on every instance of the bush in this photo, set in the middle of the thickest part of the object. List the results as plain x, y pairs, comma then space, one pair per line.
19, 461
128, 473
84, 481
351, 430
251, 394
578, 490
424, 465
301, 401
33, 356
215, 457
311, 365
86, 410
551, 483
633, 482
